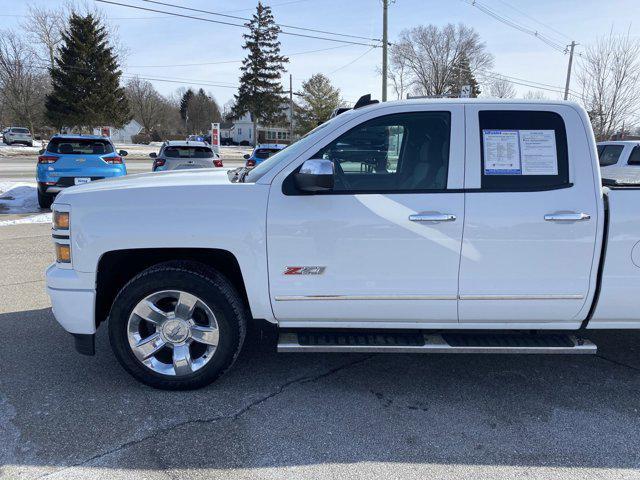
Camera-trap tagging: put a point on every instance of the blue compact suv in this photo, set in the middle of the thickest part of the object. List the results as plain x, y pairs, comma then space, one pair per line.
75, 159
262, 152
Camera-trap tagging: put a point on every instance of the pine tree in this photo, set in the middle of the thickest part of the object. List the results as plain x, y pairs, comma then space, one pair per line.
461, 75
85, 78
184, 104
318, 100
260, 92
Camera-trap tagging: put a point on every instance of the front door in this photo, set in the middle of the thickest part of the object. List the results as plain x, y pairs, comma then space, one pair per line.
384, 245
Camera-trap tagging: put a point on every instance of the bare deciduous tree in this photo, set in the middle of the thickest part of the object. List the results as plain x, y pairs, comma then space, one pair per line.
610, 82
431, 56
43, 29
147, 105
535, 95
500, 87
22, 86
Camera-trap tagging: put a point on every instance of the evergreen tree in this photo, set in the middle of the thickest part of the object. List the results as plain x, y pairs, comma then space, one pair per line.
85, 78
184, 104
461, 75
318, 100
202, 110
260, 92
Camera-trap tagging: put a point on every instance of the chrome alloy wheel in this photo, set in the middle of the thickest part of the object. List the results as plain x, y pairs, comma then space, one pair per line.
173, 332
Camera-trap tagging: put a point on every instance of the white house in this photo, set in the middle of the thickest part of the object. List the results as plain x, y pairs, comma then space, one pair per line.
120, 135
242, 130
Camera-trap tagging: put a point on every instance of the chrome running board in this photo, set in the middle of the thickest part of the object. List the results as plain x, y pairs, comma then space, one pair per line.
421, 342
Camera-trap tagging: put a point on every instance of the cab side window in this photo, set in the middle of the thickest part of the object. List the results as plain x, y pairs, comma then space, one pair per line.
609, 154
523, 150
634, 158
405, 152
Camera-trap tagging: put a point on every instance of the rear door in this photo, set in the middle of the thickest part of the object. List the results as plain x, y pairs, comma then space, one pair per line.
531, 216
384, 246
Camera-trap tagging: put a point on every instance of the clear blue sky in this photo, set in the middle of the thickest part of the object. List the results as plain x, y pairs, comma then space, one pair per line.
154, 39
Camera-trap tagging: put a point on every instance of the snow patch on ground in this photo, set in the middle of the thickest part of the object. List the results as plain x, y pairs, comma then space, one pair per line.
21, 198
42, 218
19, 150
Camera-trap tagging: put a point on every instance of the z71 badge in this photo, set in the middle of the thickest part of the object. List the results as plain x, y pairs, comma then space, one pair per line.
303, 270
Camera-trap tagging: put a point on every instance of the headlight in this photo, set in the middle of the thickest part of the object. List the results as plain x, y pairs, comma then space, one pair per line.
60, 220
63, 253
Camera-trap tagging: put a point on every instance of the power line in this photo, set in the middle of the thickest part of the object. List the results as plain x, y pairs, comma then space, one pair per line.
232, 24
233, 61
352, 61
518, 26
549, 27
208, 12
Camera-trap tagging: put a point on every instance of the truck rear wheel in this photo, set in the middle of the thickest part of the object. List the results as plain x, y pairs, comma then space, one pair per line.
177, 326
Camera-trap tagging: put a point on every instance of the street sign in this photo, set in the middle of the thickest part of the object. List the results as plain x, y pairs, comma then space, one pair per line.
465, 91
215, 137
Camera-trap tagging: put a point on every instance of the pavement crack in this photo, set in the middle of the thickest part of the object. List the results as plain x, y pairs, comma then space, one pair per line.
21, 283
616, 362
233, 417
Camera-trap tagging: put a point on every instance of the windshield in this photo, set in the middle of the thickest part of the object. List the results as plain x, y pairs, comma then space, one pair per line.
188, 152
286, 154
78, 146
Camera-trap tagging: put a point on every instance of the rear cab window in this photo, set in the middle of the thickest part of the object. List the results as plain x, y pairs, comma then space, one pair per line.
523, 150
609, 154
187, 152
264, 153
79, 146
19, 130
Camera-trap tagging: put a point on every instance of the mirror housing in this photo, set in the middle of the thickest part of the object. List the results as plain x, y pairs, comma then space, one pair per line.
123, 153
315, 175
246, 156
153, 155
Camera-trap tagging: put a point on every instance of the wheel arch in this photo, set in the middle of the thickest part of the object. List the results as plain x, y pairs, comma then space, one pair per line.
117, 267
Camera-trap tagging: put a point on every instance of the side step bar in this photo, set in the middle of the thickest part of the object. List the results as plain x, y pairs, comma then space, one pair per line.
422, 342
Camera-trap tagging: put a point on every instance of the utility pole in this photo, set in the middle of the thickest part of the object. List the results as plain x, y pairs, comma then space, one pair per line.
385, 8
566, 88
290, 109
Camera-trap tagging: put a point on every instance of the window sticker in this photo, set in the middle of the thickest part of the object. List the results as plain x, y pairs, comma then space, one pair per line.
501, 152
538, 153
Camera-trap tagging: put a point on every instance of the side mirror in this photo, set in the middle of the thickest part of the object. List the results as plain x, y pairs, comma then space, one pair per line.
123, 153
246, 156
315, 175
153, 154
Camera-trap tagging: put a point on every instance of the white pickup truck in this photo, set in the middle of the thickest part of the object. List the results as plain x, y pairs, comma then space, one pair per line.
422, 225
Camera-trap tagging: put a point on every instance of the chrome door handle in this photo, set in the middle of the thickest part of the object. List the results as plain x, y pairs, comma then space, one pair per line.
566, 217
432, 217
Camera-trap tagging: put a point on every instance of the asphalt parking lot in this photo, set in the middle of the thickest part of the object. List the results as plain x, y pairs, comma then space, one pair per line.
277, 416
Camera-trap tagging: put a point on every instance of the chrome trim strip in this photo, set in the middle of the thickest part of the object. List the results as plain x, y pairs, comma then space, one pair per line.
522, 297
290, 298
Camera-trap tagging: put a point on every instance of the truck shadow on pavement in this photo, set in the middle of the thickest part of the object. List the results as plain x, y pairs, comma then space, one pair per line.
60, 410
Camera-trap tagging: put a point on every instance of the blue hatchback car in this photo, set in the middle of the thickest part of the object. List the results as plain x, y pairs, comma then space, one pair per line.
75, 159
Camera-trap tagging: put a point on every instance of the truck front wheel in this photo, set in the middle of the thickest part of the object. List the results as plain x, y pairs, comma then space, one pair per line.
177, 325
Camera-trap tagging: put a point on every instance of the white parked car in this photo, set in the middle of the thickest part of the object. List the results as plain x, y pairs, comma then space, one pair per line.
460, 225
17, 135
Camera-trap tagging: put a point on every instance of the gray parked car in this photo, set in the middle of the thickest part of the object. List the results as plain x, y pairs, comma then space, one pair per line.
17, 135
179, 155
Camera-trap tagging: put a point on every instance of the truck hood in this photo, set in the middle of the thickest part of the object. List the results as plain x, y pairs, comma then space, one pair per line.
175, 178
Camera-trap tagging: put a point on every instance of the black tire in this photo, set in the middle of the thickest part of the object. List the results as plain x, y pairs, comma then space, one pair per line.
194, 278
30, 144
45, 200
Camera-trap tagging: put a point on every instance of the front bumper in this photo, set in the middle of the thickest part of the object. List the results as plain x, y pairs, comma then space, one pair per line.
73, 298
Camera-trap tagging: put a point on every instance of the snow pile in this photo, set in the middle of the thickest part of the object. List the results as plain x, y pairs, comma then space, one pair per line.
19, 150
42, 218
21, 198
